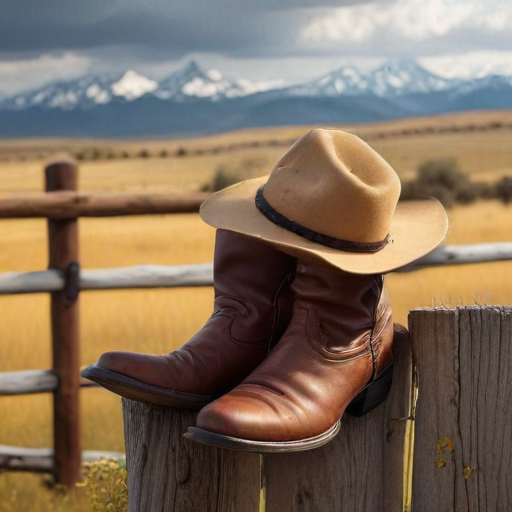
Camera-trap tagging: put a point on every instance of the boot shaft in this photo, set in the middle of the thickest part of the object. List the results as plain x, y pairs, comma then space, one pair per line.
344, 305
251, 279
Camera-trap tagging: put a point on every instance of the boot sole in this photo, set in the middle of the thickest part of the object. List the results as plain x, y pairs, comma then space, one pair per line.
367, 400
142, 392
247, 445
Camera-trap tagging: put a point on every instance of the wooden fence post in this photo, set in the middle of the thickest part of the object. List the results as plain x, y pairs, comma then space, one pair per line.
168, 473
463, 449
63, 255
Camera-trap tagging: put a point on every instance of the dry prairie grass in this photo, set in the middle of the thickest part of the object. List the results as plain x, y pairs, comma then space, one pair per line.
160, 320
484, 153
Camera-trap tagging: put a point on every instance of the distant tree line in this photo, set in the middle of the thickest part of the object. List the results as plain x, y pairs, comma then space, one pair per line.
105, 153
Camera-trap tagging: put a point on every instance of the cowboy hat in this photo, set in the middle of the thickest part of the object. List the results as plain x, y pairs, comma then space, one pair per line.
332, 197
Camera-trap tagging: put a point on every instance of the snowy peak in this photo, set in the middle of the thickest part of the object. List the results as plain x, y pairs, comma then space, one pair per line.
192, 82
405, 77
394, 78
346, 81
85, 92
132, 86
495, 82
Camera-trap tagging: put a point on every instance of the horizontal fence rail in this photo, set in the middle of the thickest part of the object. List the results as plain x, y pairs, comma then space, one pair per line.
68, 205
139, 276
462, 254
41, 460
26, 382
163, 276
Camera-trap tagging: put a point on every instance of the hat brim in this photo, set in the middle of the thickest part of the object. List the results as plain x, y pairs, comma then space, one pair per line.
417, 228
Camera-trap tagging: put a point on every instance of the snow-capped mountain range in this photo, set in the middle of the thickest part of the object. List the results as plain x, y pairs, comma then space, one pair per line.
192, 82
393, 79
131, 104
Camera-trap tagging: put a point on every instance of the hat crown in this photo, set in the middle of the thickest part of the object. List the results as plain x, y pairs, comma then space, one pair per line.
335, 184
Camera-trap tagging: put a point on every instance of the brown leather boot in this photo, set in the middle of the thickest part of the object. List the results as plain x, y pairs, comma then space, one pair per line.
335, 356
253, 305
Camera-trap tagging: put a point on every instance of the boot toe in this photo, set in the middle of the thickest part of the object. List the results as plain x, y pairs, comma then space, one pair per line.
146, 368
117, 361
250, 413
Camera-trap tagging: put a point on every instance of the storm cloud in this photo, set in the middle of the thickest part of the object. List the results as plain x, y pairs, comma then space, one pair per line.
264, 28
177, 27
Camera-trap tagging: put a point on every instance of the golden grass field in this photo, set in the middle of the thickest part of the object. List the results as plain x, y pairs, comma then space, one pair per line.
161, 320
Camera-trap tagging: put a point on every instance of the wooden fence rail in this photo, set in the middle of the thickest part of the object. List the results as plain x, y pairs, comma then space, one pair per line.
164, 276
62, 205
70, 205
138, 276
27, 382
42, 460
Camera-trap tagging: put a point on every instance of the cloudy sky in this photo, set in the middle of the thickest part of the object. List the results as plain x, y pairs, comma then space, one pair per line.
290, 40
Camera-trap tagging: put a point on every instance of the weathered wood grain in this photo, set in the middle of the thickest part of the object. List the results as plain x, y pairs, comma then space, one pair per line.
31, 282
167, 472
138, 276
461, 254
147, 276
436, 442
361, 470
463, 452
27, 381
67, 205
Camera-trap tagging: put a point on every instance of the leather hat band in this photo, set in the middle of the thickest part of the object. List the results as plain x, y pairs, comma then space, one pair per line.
326, 240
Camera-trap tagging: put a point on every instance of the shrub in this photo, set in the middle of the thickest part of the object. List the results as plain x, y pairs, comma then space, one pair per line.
503, 189
467, 194
95, 154
106, 481
221, 179
443, 172
440, 178
413, 190
443, 180
230, 173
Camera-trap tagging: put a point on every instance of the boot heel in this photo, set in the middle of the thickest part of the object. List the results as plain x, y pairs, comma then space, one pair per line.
373, 394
